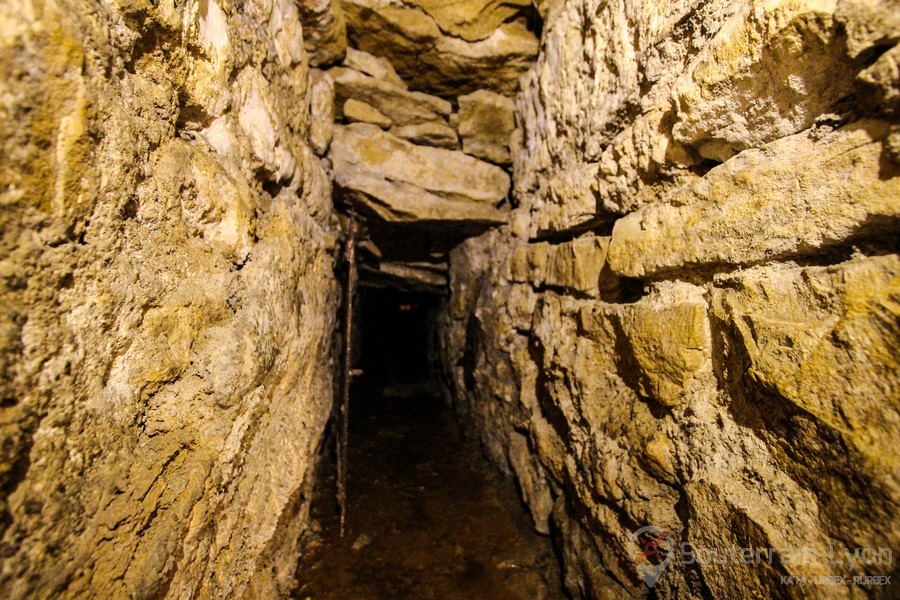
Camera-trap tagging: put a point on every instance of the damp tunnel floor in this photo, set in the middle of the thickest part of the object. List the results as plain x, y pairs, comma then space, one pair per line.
427, 515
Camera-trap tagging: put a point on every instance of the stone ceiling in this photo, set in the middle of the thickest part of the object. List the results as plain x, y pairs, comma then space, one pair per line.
421, 94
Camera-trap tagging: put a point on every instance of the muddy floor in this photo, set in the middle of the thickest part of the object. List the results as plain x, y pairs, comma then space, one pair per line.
427, 516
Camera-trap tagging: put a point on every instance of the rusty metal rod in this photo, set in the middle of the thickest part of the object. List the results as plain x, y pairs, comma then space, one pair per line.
347, 373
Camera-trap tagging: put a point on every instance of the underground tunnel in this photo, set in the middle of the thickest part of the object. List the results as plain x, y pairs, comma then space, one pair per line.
624, 279
426, 515
395, 345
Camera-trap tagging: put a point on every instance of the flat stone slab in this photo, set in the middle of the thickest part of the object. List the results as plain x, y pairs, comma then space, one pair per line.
400, 181
400, 105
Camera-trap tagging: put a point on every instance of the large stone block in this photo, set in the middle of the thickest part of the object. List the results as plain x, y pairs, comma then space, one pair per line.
438, 62
802, 194
593, 112
631, 100
668, 339
578, 266
769, 72
486, 122
400, 105
400, 181
812, 362
471, 20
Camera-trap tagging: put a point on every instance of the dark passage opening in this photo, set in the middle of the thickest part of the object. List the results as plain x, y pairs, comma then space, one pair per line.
427, 516
394, 329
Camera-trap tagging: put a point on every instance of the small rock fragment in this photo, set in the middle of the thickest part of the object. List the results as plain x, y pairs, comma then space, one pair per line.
428, 134
486, 121
370, 64
361, 542
360, 112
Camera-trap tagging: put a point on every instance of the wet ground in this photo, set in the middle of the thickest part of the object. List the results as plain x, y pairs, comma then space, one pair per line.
427, 517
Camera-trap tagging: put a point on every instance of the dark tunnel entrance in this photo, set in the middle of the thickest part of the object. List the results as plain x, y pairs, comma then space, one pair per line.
394, 337
426, 515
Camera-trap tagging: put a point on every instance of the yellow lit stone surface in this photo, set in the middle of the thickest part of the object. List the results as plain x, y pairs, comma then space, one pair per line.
664, 235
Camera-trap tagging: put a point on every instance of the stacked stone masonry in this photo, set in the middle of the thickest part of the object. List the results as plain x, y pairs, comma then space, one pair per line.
415, 161
678, 304
692, 317
166, 297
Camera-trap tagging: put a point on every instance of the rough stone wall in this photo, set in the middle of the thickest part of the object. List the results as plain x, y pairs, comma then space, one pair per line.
166, 298
447, 48
691, 320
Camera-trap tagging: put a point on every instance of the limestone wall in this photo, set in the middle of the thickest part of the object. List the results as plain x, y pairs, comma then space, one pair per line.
691, 320
166, 298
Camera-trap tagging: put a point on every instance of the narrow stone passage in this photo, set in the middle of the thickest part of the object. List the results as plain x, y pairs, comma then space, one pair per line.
428, 517
640, 256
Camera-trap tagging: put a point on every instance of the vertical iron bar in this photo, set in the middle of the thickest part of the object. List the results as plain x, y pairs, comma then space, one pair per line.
346, 375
